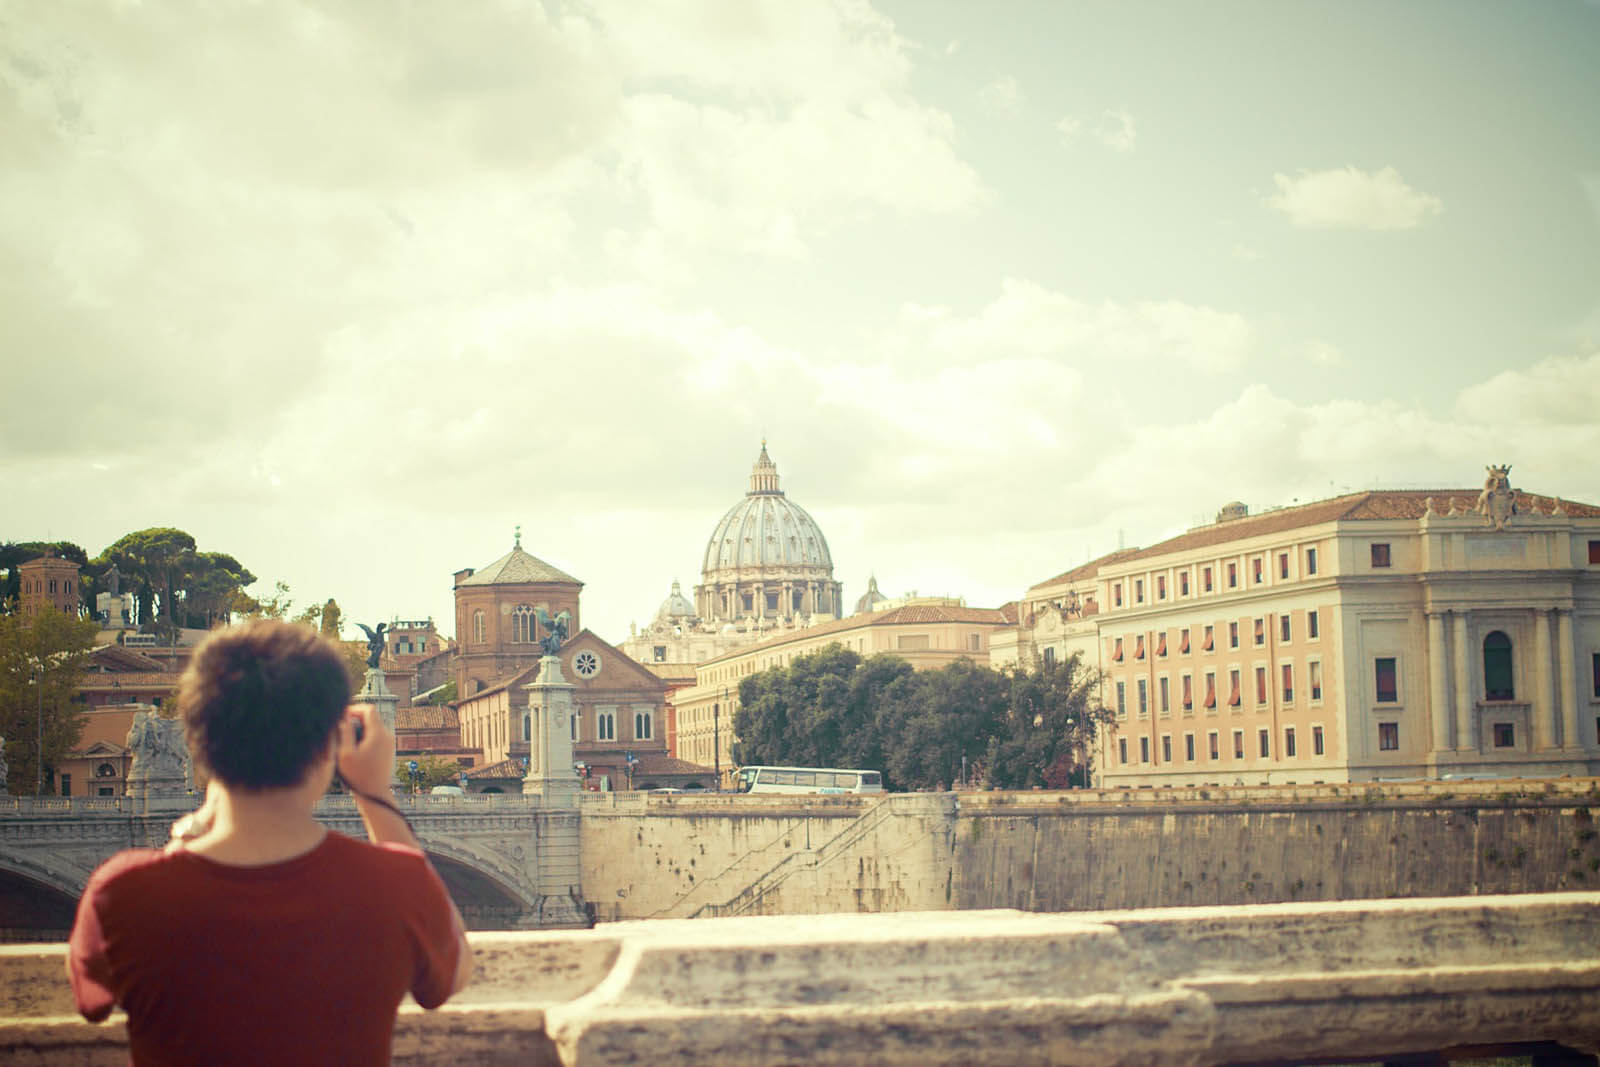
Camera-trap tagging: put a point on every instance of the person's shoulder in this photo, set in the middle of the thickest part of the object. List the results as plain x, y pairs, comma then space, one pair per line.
378, 854
130, 863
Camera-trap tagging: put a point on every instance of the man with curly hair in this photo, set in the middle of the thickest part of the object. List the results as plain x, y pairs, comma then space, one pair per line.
258, 935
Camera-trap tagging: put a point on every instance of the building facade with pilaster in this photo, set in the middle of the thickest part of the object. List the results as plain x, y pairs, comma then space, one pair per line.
1377, 635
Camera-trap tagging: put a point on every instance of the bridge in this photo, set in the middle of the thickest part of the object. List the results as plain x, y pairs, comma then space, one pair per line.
496, 853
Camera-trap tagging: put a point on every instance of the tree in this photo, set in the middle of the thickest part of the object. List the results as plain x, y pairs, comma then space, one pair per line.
274, 607
41, 664
158, 559
210, 588
1049, 736
932, 720
432, 771
445, 694
331, 623
13, 554
795, 714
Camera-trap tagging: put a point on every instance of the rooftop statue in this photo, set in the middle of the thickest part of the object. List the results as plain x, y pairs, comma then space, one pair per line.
557, 631
374, 641
1498, 501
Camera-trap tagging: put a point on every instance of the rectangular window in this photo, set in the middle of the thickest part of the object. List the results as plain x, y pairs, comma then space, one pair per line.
1183, 644
1116, 650
1238, 744
1205, 645
1311, 561
1211, 745
1211, 689
1163, 688
1380, 554
1144, 698
1205, 579
1188, 747
1594, 551
1138, 590
974, 643
1161, 644
1288, 683
1138, 647
1144, 750
1312, 630
1261, 685
1388, 737
1315, 670
1261, 632
1265, 740
1183, 583
1256, 570
1233, 576
1288, 742
1285, 629
1505, 736
1595, 673
1049, 657
66, 785
1384, 676
1166, 748
1116, 602
1283, 564
1188, 693
1161, 587
1233, 689
1233, 635
1122, 749
1122, 700
1316, 741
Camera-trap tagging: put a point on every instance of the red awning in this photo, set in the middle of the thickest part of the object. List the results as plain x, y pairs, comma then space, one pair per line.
1116, 651
1211, 692
1161, 644
1233, 697
1207, 646
1183, 641
1138, 648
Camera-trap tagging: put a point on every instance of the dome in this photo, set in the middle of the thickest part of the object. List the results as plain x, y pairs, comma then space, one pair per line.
870, 600
766, 530
676, 607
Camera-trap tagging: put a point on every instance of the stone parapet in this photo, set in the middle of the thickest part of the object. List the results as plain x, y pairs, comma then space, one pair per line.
1282, 983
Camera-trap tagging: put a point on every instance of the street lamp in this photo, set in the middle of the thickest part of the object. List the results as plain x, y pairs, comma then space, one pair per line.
38, 789
716, 737
416, 773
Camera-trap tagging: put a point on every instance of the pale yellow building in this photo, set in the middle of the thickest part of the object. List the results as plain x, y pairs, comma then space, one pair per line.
929, 633
1372, 636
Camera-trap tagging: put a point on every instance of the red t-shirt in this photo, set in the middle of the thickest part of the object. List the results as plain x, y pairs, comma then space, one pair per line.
298, 962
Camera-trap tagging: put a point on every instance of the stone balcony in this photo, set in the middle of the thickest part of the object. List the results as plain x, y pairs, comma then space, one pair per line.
1361, 981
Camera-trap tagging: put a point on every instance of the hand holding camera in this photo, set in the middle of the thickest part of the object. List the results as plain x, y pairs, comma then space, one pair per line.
366, 750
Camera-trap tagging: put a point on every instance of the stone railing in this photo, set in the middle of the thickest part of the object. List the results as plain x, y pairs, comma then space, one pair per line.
1279, 983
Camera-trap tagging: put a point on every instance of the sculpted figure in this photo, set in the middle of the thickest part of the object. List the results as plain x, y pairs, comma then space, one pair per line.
157, 747
556, 628
1497, 501
374, 641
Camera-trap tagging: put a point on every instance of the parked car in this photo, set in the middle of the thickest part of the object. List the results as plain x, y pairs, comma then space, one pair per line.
448, 791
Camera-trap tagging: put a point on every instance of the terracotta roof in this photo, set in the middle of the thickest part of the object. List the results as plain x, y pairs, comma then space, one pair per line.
1010, 611
506, 768
661, 763
1087, 570
130, 680
517, 568
124, 658
1370, 505
425, 717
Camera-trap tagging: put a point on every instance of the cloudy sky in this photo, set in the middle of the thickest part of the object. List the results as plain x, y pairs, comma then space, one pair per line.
351, 289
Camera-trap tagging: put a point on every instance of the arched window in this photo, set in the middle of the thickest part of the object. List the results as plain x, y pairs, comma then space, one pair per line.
641, 725
522, 625
572, 722
479, 630
1497, 680
527, 727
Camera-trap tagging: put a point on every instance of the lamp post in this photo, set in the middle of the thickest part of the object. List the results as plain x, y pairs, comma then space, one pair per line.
415, 772
38, 789
716, 737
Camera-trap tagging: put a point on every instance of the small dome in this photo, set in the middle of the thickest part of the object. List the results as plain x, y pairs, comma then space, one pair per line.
676, 607
765, 529
870, 600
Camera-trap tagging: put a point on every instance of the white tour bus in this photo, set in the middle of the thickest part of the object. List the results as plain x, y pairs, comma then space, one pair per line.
808, 780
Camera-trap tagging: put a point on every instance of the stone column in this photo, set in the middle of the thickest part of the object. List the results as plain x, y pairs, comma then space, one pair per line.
1466, 737
1571, 738
1545, 712
375, 691
1438, 684
550, 773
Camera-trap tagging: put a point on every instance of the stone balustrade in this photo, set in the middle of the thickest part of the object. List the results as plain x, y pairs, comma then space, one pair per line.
1274, 983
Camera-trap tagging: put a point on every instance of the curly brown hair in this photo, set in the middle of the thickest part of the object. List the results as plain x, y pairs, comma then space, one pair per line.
259, 701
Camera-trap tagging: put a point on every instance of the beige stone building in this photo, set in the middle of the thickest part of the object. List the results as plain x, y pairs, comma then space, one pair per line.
1377, 635
497, 629
929, 632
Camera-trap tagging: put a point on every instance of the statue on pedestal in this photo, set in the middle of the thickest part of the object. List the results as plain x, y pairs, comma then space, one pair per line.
160, 757
374, 642
557, 627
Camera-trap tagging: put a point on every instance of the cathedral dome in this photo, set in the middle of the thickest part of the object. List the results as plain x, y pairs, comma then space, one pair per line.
765, 530
676, 608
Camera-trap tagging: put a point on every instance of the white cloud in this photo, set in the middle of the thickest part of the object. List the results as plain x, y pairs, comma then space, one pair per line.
1116, 130
1322, 354
1003, 96
1068, 126
1562, 391
1352, 199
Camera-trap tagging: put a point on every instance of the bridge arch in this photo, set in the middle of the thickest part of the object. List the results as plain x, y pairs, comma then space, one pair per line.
488, 897
38, 901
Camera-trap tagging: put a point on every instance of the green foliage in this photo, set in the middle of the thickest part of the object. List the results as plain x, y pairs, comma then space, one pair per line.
432, 771
445, 695
61, 645
157, 560
330, 622
13, 554
1012, 729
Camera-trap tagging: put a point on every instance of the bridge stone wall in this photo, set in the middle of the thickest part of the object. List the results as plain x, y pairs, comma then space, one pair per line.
1166, 848
692, 856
